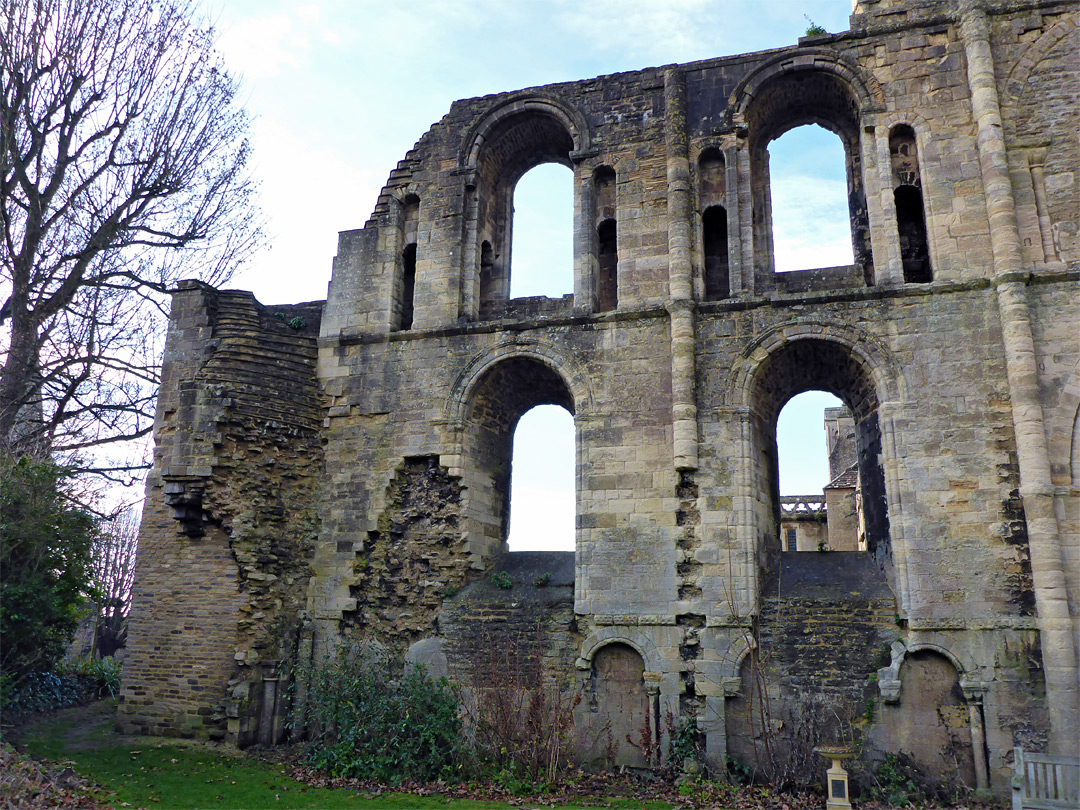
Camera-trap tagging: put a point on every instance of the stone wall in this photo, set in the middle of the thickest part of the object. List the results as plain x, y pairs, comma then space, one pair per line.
230, 519
949, 340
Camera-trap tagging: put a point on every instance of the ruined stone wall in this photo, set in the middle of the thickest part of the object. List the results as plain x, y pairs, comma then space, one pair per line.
959, 367
230, 518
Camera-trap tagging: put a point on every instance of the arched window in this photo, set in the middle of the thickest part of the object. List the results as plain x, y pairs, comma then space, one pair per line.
508, 391
539, 243
809, 200
712, 202
542, 504
910, 217
821, 365
821, 106
542, 260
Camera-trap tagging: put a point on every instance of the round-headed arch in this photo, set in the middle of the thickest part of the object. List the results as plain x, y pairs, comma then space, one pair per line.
813, 86
631, 637
807, 355
935, 643
522, 131
1017, 80
563, 368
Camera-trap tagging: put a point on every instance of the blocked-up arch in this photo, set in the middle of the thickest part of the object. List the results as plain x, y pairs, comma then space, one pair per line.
631, 637
934, 700
1063, 432
734, 656
1041, 115
1016, 81
616, 691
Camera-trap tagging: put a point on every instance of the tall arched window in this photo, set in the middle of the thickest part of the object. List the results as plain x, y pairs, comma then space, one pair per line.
817, 111
505, 399
542, 260
542, 504
522, 165
809, 200
823, 365
712, 201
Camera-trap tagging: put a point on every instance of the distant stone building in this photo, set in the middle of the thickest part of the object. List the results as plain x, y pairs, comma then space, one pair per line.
338, 469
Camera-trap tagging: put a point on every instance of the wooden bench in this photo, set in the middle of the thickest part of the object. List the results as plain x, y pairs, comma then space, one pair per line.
1042, 782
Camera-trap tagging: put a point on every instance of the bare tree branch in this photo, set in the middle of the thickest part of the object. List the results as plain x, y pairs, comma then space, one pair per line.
122, 169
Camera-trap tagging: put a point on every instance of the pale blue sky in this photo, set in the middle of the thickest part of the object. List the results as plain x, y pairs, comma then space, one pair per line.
340, 89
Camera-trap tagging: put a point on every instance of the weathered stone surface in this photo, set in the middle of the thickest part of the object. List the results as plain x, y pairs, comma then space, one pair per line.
366, 492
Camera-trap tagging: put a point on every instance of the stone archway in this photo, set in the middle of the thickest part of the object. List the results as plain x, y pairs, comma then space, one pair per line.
501, 394
931, 722
617, 695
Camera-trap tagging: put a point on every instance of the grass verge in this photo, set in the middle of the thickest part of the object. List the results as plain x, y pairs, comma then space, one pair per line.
156, 773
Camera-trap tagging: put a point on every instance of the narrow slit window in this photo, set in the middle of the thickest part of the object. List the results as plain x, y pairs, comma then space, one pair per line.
404, 290
408, 285
715, 244
607, 288
607, 248
911, 226
910, 215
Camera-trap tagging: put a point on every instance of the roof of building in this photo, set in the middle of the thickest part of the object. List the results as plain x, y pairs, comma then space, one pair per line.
848, 479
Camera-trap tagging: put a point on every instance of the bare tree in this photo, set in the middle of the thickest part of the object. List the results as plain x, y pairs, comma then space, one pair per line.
122, 169
112, 573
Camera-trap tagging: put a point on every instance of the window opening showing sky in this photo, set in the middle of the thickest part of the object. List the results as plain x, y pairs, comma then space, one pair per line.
542, 506
809, 200
803, 456
542, 256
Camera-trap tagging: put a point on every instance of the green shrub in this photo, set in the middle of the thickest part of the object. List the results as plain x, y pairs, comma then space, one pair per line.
45, 548
368, 717
895, 779
38, 692
103, 673
683, 736
501, 580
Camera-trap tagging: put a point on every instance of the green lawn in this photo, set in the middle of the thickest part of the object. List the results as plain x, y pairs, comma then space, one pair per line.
152, 773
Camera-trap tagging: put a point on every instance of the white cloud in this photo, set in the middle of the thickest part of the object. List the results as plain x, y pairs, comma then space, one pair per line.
649, 26
810, 223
